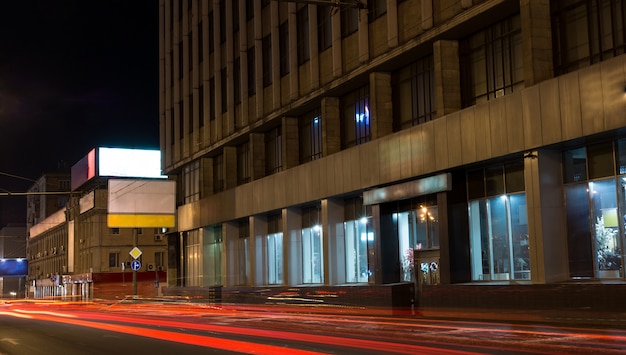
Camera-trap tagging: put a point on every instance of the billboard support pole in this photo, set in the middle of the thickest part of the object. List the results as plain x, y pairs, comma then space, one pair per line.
134, 271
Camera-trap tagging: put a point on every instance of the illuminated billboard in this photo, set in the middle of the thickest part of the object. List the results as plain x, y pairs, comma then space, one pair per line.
117, 162
136, 203
13, 267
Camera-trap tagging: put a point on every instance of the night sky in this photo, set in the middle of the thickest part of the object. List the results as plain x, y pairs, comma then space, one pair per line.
74, 75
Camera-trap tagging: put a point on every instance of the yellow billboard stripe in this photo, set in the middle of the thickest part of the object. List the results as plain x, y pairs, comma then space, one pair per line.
141, 220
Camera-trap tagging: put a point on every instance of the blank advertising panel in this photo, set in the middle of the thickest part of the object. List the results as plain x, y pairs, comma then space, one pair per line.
141, 203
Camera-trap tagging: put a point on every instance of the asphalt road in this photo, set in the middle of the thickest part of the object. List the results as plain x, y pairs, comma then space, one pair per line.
137, 329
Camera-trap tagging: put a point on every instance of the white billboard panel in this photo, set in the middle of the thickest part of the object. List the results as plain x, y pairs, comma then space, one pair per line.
141, 203
122, 162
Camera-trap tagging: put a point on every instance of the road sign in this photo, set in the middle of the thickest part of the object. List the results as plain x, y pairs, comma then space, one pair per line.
135, 253
135, 265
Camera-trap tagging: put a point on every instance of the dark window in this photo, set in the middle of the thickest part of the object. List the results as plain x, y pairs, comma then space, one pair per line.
310, 136
267, 60
181, 120
237, 80
355, 118
304, 53
222, 20
172, 68
249, 9
243, 163
586, 32
273, 151
180, 60
218, 173
212, 99
251, 72
190, 50
210, 33
491, 62
414, 94
324, 32
375, 9
235, 15
201, 106
190, 113
172, 125
200, 42
349, 21
224, 90
600, 160
575, 165
284, 48
265, 3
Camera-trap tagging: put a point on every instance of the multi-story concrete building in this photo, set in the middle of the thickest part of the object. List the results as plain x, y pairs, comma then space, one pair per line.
74, 254
337, 148
12, 253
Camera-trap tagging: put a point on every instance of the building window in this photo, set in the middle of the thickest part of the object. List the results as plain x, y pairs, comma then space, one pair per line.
310, 136
190, 50
324, 29
212, 99
200, 42
190, 113
114, 231
237, 80
349, 21
201, 106
586, 32
191, 182
243, 163
273, 151
312, 248
595, 201
498, 223
180, 60
267, 60
414, 94
210, 33
251, 72
492, 62
375, 9
192, 263
114, 259
274, 250
172, 125
181, 120
358, 233
264, 3
218, 173
304, 53
284, 48
222, 20
171, 63
355, 118
159, 260
249, 9
235, 15
224, 89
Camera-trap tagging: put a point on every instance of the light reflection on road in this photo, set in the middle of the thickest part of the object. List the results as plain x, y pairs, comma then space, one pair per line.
400, 335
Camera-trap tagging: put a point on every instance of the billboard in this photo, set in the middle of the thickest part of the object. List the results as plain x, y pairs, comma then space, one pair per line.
117, 162
141, 203
13, 267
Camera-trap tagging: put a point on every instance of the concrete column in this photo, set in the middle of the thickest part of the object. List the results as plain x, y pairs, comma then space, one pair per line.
243, 63
256, 251
258, 58
331, 126
335, 19
230, 266
290, 144
332, 216
427, 14
392, 23
546, 217
294, 74
230, 167
292, 245
257, 152
537, 41
381, 114
364, 37
447, 77
274, 22
314, 48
